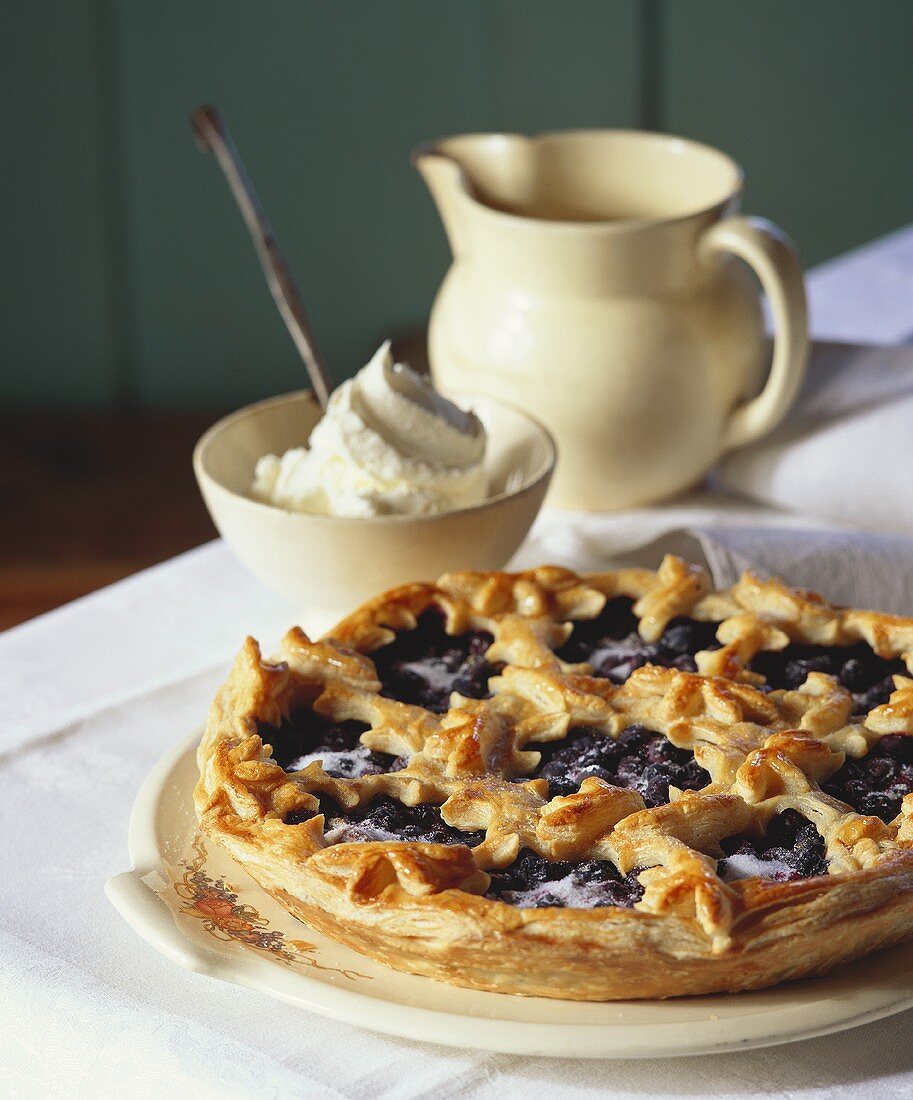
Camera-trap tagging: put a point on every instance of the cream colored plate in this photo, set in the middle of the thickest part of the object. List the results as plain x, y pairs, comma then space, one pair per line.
195, 905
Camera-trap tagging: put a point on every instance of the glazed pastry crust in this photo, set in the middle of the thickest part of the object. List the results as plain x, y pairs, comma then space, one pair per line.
419, 907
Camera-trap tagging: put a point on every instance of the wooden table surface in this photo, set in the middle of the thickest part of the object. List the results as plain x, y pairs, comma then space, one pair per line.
90, 497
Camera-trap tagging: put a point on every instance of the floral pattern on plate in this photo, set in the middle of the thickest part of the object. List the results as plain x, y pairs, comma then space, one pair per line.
224, 917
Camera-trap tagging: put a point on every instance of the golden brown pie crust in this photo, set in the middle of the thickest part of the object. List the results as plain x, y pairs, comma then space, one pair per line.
419, 907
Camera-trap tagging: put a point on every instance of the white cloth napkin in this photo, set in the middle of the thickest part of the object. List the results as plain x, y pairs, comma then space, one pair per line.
865, 296
845, 451
87, 1008
862, 570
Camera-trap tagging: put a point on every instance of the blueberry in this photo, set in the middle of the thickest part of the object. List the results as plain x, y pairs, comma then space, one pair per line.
422, 823
616, 655
876, 783
630, 769
688, 636
473, 676
656, 790
861, 671
791, 840
679, 636
879, 804
638, 759
423, 666
596, 883
855, 675
659, 751
876, 696
615, 621
527, 870
882, 769
796, 672
616, 660
296, 817
306, 732
558, 784
438, 702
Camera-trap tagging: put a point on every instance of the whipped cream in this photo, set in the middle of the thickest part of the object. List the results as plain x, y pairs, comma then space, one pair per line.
388, 444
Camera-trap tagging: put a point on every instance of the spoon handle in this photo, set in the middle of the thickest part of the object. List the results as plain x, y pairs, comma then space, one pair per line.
211, 133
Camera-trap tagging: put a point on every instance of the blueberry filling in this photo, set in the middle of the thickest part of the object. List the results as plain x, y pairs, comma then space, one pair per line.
386, 819
616, 620
533, 882
791, 849
877, 782
611, 644
423, 666
307, 736
637, 759
861, 671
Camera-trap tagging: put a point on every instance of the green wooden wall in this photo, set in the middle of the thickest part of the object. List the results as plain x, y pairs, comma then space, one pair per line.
128, 277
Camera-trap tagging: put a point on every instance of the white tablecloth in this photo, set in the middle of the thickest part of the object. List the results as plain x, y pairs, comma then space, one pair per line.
92, 694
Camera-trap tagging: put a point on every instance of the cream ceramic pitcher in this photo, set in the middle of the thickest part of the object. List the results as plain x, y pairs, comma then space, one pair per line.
598, 282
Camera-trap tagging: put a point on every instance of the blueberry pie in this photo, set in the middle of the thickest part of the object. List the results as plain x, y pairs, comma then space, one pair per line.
615, 785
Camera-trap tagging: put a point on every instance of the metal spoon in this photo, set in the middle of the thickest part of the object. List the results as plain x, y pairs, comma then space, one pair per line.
211, 134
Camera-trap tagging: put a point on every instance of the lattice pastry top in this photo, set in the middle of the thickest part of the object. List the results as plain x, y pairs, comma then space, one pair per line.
613, 785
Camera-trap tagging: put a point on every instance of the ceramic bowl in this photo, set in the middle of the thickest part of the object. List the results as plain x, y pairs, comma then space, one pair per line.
331, 563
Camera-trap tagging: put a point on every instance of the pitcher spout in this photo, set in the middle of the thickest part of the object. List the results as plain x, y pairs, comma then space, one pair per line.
468, 173
446, 180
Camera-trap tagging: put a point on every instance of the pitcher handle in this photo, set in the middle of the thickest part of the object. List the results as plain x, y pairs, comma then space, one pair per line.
769, 252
